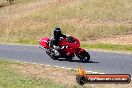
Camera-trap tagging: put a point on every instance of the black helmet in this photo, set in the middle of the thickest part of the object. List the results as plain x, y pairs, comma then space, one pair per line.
57, 32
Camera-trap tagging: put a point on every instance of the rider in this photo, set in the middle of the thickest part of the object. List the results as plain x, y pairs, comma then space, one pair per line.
57, 35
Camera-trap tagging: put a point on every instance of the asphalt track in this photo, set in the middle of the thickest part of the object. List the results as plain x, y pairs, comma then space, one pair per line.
102, 62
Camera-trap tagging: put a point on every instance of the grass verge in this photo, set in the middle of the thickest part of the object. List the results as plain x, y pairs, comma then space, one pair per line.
12, 78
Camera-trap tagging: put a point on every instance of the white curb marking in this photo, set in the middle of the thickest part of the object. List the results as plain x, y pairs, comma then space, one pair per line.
62, 67
75, 69
35, 63
102, 73
56, 66
25, 62
89, 71
17, 61
94, 72
47, 65
69, 68
41, 64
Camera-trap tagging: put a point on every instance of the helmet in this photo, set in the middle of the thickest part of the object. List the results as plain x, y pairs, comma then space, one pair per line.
57, 32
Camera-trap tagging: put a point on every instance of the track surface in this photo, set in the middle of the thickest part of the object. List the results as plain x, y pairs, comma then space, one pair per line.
102, 62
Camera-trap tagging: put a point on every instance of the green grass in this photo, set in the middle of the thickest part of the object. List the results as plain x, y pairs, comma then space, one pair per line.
11, 78
106, 46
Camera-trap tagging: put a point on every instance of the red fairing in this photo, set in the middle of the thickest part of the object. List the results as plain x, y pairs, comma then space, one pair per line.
44, 42
72, 46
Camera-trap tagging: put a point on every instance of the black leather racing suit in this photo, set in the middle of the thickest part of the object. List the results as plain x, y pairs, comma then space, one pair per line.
55, 40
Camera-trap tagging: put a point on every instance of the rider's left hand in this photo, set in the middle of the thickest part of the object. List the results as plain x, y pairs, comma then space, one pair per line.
56, 47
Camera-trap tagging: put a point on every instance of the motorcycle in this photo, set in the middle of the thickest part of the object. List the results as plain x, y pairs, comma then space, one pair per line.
69, 47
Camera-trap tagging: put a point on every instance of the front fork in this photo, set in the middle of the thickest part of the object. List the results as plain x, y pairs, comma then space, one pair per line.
82, 55
79, 51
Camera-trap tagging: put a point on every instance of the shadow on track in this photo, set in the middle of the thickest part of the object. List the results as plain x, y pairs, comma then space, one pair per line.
78, 61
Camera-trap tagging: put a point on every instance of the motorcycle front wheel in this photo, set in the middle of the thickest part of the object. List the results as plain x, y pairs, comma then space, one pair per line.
51, 53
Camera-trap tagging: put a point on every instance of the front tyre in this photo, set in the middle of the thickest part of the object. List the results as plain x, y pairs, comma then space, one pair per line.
51, 53
87, 57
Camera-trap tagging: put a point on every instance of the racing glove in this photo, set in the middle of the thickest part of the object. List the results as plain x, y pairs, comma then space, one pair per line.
56, 47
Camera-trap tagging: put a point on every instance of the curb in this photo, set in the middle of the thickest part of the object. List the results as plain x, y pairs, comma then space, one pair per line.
91, 72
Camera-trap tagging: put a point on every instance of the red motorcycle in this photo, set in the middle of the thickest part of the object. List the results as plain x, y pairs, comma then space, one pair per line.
69, 47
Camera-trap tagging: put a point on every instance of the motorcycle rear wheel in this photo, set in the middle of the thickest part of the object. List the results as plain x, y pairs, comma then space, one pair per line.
84, 56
